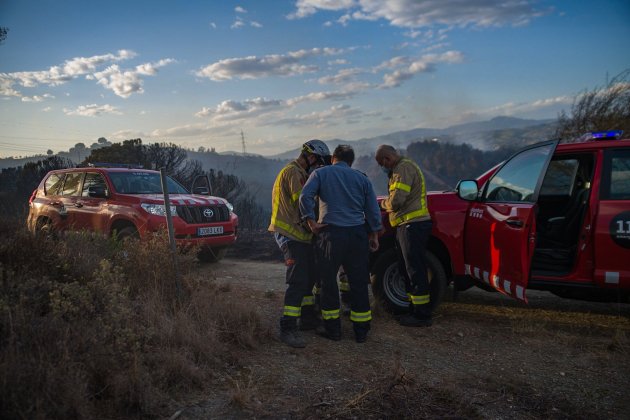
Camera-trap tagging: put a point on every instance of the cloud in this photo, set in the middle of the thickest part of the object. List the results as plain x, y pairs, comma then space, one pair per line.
239, 9
238, 23
342, 76
409, 67
37, 98
93, 110
124, 83
427, 13
58, 75
252, 67
309, 7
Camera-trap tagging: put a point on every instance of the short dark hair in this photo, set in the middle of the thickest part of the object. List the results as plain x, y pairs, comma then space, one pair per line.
344, 153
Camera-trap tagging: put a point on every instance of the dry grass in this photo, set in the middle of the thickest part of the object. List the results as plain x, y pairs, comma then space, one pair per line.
90, 327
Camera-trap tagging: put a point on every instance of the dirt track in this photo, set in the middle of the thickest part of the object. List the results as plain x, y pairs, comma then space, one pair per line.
485, 357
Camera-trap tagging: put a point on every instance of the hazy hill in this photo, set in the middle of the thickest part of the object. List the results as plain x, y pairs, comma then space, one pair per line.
259, 172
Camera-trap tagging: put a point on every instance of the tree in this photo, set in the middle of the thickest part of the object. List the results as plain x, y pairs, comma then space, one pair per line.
603, 108
3, 33
49, 152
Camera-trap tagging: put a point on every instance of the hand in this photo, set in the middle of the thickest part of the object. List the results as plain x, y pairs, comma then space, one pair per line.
373, 240
316, 227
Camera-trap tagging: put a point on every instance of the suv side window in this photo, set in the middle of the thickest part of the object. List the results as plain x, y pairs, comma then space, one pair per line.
616, 176
53, 183
516, 181
73, 183
92, 179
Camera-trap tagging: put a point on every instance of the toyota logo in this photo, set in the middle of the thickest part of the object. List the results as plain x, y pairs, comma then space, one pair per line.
208, 213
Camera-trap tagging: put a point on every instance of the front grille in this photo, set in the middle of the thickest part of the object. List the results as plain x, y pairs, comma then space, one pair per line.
203, 214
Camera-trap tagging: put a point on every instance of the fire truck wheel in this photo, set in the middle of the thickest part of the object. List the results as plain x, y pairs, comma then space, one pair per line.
388, 284
126, 233
211, 255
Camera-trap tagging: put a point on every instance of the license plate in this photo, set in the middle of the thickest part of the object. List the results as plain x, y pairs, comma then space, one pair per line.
213, 230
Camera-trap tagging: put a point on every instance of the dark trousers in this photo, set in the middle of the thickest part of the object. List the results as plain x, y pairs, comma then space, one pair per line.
298, 257
412, 239
347, 246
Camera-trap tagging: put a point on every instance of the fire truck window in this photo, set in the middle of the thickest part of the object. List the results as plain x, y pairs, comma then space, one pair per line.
620, 177
53, 183
560, 177
92, 179
516, 180
72, 184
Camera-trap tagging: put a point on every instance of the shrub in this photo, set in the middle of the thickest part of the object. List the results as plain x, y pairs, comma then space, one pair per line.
90, 327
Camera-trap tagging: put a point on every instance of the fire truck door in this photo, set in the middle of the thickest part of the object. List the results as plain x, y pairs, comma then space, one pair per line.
500, 230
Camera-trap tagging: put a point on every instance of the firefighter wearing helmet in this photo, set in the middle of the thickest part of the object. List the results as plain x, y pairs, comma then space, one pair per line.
294, 237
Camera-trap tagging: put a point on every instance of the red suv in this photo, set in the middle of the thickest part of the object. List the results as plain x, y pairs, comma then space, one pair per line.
552, 217
129, 202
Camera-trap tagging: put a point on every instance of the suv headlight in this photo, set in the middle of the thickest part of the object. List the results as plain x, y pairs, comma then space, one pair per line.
229, 206
158, 209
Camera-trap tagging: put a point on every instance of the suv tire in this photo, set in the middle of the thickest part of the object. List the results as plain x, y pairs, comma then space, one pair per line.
389, 285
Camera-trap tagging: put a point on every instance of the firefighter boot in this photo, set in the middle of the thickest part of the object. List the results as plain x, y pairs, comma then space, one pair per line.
290, 334
420, 316
361, 331
332, 329
308, 318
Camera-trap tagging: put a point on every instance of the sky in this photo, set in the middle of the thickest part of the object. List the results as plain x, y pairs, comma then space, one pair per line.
199, 73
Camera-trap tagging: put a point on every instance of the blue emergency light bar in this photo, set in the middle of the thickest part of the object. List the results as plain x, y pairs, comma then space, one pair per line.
606, 135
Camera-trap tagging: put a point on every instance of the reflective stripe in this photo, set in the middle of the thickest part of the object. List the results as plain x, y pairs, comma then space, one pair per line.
308, 300
292, 311
409, 216
344, 286
424, 210
332, 314
302, 236
420, 300
360, 316
400, 186
275, 207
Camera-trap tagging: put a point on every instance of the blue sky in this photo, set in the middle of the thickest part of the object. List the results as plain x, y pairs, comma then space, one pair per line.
196, 73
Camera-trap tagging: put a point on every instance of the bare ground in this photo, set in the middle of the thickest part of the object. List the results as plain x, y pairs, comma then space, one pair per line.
486, 356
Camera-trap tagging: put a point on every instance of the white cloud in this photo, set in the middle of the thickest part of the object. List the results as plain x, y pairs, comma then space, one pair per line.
409, 67
253, 67
309, 7
92, 110
427, 13
213, 25
238, 23
255, 24
37, 98
124, 83
342, 76
239, 9
47, 109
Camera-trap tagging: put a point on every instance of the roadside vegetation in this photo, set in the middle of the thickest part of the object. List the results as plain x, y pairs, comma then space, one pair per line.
94, 328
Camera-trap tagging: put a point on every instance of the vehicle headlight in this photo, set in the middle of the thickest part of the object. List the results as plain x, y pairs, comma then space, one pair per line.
158, 209
230, 207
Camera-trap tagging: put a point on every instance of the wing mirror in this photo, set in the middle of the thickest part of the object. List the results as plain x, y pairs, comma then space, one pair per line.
468, 190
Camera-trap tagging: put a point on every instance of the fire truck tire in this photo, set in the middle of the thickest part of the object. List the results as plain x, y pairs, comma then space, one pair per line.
388, 284
211, 255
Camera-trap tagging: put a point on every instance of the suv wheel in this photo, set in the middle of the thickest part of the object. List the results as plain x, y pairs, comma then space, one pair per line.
389, 284
128, 232
211, 255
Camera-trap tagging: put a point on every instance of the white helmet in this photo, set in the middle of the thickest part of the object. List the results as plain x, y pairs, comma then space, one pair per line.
316, 147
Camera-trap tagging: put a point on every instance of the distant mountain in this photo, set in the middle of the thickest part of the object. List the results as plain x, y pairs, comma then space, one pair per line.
259, 172
483, 135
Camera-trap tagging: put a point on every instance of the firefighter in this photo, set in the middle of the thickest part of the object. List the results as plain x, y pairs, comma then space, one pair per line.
294, 237
347, 230
407, 209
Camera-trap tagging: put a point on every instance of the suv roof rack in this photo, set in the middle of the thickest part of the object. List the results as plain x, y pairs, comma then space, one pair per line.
115, 165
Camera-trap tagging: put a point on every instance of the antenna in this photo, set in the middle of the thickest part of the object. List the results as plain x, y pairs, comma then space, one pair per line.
243, 141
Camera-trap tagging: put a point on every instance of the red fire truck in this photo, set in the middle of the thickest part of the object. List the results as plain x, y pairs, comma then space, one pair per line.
552, 217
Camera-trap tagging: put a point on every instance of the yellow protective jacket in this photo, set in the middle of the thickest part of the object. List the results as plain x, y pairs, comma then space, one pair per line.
285, 208
407, 201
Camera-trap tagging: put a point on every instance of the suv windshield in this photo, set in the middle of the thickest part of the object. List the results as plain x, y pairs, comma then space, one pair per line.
143, 183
